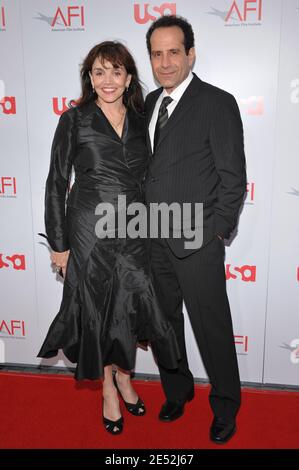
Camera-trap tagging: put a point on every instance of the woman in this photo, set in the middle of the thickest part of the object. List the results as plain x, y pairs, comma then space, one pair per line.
108, 303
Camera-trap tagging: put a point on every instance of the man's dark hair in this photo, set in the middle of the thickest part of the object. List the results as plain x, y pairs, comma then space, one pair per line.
167, 21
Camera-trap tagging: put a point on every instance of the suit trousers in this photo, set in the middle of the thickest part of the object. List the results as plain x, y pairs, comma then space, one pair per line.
199, 280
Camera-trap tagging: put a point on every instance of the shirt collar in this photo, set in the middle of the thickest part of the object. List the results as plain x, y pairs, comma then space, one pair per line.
177, 93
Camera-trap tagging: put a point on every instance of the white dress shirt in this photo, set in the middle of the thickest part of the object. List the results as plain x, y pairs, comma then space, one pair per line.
176, 96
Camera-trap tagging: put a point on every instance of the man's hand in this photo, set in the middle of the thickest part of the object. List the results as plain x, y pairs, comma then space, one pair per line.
60, 260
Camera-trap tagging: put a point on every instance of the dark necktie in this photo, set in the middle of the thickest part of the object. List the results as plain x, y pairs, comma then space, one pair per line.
162, 118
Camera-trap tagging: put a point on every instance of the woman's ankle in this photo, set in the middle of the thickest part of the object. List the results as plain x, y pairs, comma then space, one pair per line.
123, 378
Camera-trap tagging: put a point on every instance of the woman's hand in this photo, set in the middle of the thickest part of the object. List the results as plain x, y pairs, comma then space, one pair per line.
60, 260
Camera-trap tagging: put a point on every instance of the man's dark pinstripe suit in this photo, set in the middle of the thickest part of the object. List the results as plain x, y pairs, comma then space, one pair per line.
199, 158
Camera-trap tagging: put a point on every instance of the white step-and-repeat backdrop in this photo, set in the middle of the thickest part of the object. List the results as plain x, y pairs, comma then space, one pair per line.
247, 47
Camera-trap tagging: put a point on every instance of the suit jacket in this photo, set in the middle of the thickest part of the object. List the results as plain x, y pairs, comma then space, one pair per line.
199, 158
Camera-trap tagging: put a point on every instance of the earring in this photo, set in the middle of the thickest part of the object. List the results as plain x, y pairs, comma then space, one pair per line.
93, 89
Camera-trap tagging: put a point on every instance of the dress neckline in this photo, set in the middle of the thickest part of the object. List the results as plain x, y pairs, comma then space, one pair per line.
125, 124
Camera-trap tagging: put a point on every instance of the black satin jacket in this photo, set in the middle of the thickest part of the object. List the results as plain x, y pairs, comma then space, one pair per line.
105, 166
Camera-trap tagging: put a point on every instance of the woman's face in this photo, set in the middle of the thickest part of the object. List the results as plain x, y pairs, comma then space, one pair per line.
109, 82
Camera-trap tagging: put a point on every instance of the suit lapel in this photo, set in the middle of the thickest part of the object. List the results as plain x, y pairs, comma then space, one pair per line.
149, 112
186, 101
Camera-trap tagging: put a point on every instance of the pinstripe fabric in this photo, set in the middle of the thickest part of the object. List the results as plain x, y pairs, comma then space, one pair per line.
200, 158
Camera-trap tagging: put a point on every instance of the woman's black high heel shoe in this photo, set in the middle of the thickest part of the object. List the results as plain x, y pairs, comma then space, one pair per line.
137, 409
114, 427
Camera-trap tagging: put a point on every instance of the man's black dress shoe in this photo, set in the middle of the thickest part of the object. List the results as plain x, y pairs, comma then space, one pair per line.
221, 431
174, 410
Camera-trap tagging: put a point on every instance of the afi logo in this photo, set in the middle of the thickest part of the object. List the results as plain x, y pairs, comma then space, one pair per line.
246, 273
16, 262
8, 105
295, 91
254, 105
294, 357
72, 13
151, 13
59, 108
242, 341
8, 186
241, 8
12, 328
2, 17
250, 188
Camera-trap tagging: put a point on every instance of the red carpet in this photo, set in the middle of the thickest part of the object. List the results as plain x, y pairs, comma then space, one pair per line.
54, 411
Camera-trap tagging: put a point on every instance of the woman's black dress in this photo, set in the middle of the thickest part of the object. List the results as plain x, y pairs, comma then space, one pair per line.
109, 303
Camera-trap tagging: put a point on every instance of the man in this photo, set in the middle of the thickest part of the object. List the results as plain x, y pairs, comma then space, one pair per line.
195, 137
